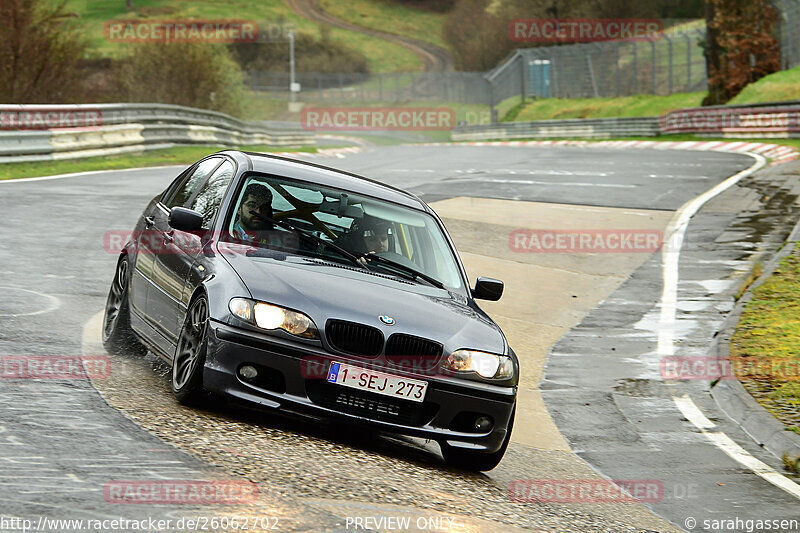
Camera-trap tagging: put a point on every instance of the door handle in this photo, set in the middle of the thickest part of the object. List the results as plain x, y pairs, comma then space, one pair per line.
149, 222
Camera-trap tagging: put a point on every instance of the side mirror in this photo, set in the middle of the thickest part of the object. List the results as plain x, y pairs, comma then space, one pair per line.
184, 219
488, 289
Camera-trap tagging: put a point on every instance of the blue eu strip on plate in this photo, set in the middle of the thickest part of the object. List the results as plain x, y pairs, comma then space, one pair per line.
333, 373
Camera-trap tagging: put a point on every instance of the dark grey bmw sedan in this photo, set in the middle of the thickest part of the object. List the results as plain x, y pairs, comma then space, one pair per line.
304, 288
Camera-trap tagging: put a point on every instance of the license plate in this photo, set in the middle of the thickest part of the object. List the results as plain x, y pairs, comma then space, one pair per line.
378, 382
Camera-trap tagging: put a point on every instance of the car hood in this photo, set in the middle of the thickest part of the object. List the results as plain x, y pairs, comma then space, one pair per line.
324, 290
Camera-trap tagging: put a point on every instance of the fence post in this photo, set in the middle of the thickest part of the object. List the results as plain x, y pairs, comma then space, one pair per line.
601, 52
492, 111
653, 65
522, 63
669, 51
591, 73
704, 71
635, 68
688, 62
616, 67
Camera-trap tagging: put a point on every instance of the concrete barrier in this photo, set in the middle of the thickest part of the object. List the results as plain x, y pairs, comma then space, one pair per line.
766, 120
598, 128
27, 132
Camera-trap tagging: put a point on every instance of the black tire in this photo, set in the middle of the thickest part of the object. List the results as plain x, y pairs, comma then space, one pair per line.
477, 461
118, 336
190, 355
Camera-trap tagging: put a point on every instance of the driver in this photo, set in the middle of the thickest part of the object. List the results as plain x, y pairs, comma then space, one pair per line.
376, 237
371, 236
253, 214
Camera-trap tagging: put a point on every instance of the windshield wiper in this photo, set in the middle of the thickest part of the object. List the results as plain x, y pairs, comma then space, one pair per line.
314, 238
412, 272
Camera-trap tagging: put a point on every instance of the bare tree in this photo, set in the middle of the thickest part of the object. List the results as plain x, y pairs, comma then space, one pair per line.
39, 53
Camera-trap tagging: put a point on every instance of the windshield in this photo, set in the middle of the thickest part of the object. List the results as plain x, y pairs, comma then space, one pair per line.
274, 212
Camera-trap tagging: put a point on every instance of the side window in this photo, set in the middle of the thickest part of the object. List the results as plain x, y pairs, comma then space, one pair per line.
175, 185
210, 196
185, 190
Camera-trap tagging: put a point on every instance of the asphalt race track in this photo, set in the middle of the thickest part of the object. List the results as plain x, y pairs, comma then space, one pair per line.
598, 409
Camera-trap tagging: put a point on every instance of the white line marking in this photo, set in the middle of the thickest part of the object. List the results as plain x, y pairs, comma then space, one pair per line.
86, 173
556, 183
55, 303
673, 240
693, 413
670, 257
734, 451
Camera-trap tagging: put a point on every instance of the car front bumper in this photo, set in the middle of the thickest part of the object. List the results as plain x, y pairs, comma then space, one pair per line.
285, 382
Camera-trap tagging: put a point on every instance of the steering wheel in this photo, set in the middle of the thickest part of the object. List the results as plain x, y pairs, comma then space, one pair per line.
398, 258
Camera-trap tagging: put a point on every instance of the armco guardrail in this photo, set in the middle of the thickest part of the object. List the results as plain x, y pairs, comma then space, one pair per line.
47, 132
771, 119
596, 128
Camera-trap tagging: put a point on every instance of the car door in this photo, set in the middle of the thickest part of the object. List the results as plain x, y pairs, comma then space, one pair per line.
164, 305
147, 246
207, 203
181, 249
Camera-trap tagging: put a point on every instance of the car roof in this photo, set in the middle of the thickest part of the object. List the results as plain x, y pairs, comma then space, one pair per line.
325, 176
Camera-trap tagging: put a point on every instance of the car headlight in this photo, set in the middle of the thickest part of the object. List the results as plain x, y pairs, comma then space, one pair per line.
271, 317
487, 365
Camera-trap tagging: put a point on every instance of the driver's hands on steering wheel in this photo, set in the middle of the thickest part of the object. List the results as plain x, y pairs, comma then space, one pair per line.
364, 259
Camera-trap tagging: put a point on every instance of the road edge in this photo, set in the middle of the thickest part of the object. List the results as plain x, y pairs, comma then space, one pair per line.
731, 396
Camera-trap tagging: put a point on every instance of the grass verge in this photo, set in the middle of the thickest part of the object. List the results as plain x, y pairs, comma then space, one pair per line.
769, 333
751, 278
641, 105
177, 155
777, 87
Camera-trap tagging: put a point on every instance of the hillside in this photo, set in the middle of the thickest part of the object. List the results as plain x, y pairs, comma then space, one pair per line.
776, 87
92, 15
